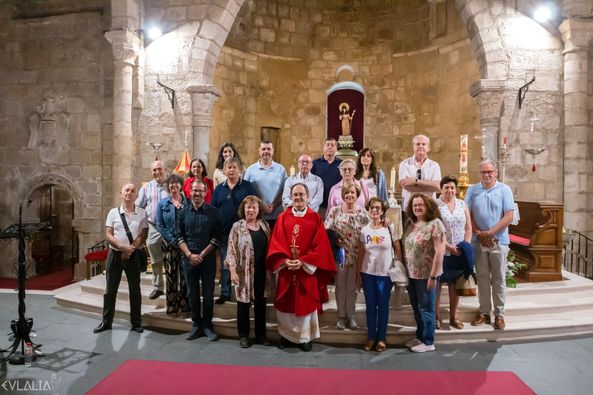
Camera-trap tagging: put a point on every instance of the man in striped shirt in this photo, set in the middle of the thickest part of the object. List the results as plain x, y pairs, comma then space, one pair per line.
149, 197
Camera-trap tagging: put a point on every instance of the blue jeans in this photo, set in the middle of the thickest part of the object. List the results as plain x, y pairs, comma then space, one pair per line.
201, 313
423, 303
377, 290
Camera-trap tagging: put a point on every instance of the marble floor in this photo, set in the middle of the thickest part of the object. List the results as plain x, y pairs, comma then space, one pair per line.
80, 359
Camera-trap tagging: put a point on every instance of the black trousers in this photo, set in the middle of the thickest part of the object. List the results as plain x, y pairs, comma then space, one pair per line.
204, 273
115, 267
259, 307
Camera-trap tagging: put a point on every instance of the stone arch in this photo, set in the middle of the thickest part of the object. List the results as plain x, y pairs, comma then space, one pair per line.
485, 38
210, 39
36, 182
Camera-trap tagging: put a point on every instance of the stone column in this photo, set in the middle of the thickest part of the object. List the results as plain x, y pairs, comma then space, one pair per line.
489, 95
578, 132
126, 46
202, 98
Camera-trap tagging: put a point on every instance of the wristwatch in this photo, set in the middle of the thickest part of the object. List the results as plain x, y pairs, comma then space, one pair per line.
433, 278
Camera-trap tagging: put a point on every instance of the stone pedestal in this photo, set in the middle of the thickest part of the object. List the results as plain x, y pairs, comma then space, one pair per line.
345, 151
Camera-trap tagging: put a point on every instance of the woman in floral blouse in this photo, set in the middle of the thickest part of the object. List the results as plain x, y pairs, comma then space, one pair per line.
246, 260
346, 220
424, 248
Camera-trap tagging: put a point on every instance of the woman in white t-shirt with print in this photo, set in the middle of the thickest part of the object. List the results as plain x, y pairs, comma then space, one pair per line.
374, 259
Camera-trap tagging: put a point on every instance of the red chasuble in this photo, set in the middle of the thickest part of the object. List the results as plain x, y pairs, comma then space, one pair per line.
305, 238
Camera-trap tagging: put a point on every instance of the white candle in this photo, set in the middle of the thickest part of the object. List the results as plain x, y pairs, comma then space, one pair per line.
463, 153
392, 179
291, 170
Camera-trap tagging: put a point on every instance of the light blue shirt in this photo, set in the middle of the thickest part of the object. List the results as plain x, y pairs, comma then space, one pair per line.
314, 185
487, 207
268, 183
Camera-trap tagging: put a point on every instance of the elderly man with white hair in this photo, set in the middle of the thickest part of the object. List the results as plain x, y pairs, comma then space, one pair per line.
418, 173
149, 197
304, 176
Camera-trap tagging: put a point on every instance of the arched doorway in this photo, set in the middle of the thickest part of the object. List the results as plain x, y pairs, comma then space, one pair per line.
54, 249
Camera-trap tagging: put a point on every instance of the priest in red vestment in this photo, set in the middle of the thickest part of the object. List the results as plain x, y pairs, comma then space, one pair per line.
301, 256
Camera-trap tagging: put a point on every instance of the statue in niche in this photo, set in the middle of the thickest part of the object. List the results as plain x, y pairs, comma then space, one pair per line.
49, 130
346, 118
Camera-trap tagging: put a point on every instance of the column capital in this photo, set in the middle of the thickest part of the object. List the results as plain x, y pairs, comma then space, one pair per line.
203, 98
576, 33
125, 45
489, 95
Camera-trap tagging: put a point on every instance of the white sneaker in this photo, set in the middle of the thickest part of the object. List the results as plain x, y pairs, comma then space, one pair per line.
352, 324
413, 343
422, 348
341, 325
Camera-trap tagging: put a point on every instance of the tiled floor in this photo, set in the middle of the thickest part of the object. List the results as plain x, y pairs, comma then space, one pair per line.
80, 359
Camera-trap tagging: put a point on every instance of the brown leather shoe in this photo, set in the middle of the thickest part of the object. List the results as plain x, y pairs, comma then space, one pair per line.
499, 322
481, 319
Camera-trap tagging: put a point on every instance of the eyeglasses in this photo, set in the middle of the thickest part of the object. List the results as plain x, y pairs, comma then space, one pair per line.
377, 208
419, 174
304, 161
348, 169
198, 191
488, 172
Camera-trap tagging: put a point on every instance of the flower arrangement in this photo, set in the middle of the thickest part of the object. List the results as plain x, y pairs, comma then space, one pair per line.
513, 267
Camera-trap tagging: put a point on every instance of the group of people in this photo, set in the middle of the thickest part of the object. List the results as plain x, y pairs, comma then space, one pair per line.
287, 238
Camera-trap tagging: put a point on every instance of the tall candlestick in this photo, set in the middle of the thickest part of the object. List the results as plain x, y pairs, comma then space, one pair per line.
505, 140
392, 179
292, 170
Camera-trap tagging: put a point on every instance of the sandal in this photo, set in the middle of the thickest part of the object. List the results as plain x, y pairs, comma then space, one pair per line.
438, 324
368, 346
455, 323
381, 346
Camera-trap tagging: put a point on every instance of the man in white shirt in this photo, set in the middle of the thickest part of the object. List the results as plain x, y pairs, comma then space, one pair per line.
304, 176
118, 260
418, 173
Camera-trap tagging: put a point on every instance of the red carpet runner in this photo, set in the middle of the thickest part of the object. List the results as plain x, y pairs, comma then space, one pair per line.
155, 377
45, 282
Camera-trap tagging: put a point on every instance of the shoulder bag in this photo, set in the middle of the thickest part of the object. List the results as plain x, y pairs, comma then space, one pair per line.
139, 257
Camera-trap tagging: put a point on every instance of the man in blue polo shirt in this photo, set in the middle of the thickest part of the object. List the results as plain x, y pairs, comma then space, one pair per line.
268, 178
327, 168
491, 206
226, 198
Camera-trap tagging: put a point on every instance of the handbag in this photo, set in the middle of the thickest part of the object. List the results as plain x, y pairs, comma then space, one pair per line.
466, 286
138, 257
397, 270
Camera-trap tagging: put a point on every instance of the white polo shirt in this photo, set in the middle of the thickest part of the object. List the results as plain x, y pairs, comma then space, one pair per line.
136, 222
409, 168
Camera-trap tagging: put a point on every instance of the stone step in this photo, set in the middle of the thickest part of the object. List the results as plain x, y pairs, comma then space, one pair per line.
549, 326
562, 308
96, 286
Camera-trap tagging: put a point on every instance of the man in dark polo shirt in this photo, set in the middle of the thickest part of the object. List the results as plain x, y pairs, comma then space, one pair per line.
226, 198
198, 230
327, 168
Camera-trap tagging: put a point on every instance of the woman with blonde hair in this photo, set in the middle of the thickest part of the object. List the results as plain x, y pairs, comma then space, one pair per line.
246, 260
346, 220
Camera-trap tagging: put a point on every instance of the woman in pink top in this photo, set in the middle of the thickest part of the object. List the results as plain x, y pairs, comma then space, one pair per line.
347, 170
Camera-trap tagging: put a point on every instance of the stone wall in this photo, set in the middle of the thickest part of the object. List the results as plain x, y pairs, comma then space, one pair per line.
415, 63
52, 100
